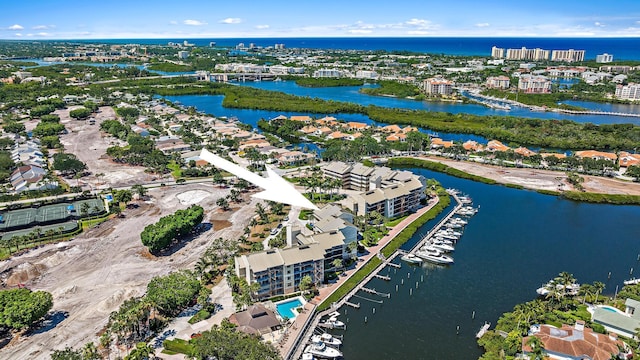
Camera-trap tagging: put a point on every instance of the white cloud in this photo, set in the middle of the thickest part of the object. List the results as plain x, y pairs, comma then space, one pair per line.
231, 21
16, 27
18, 34
417, 32
599, 24
43, 34
173, 22
194, 22
262, 26
481, 25
417, 22
360, 31
43, 27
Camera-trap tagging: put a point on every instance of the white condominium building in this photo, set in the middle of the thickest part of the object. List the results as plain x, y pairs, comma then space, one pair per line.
498, 82
567, 55
334, 73
527, 54
604, 58
628, 92
497, 52
535, 84
438, 85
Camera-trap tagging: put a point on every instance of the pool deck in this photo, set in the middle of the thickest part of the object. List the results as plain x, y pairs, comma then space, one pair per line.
288, 346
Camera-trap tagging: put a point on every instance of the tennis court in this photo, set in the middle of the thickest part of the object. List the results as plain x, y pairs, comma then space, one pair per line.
50, 214
18, 218
53, 213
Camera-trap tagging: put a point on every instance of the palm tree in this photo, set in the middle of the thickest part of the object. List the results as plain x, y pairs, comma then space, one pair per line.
223, 203
598, 287
537, 348
566, 279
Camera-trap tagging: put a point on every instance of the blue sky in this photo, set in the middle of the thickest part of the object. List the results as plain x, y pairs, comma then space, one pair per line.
86, 19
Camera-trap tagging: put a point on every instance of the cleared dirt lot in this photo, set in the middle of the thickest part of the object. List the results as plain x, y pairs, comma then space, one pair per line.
88, 144
542, 179
93, 274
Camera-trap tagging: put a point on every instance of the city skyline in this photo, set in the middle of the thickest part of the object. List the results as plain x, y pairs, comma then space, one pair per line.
75, 19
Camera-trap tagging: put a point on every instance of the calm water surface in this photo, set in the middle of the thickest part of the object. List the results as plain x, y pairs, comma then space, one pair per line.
517, 241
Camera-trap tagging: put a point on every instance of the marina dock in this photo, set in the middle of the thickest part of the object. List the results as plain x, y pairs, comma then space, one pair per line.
313, 322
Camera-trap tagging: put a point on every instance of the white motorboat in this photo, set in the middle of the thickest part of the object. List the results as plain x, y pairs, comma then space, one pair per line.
412, 259
465, 199
328, 339
633, 281
437, 259
308, 356
442, 246
321, 350
571, 289
332, 322
447, 235
458, 220
453, 225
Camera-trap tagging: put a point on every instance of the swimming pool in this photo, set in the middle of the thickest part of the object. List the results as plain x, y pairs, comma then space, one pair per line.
285, 308
610, 309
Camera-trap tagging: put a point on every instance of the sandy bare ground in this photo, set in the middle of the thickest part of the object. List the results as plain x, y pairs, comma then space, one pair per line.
89, 145
93, 274
542, 179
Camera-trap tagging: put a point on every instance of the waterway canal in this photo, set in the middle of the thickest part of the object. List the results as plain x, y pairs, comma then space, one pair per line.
517, 241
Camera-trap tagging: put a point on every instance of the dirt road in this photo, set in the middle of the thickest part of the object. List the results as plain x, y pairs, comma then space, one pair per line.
93, 274
541, 179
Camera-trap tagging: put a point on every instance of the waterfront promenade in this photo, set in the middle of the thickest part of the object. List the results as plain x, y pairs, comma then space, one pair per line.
292, 343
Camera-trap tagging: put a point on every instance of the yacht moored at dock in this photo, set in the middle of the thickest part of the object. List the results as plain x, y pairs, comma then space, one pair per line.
412, 259
321, 350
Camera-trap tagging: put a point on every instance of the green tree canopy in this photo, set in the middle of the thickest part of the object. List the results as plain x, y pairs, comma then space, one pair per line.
224, 343
159, 235
80, 113
172, 293
68, 163
20, 308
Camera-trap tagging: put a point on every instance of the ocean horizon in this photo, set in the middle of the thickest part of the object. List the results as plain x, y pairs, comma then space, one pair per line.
625, 48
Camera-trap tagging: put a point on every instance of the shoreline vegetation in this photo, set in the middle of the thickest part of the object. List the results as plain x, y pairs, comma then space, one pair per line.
443, 202
327, 82
559, 134
590, 197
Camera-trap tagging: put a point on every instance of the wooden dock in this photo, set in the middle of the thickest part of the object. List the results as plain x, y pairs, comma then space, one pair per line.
357, 306
392, 264
483, 330
383, 277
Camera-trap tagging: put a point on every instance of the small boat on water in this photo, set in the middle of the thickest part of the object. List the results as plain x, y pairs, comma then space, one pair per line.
633, 281
321, 350
465, 200
308, 356
332, 322
483, 330
447, 236
571, 289
453, 225
411, 259
458, 220
328, 339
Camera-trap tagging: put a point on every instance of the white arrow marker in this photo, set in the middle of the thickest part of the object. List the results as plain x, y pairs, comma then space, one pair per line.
275, 187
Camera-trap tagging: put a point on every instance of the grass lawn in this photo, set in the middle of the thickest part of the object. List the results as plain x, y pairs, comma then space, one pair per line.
176, 172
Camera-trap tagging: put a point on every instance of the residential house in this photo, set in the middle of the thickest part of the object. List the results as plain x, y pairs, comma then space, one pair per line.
169, 144
626, 159
498, 82
596, 155
439, 143
353, 125
534, 84
294, 157
396, 137
256, 320
495, 145
575, 342
304, 118
309, 129
30, 177
323, 131
622, 323
337, 135
524, 151
471, 145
